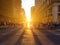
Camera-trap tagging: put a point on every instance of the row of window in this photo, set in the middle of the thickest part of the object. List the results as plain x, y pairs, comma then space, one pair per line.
48, 2
50, 10
59, 10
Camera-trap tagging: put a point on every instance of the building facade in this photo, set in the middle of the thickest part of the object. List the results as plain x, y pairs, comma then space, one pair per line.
48, 11
10, 10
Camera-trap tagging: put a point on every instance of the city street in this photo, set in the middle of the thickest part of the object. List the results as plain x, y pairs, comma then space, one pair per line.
14, 35
29, 22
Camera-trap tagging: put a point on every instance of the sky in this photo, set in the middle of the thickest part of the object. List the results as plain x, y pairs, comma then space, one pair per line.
28, 3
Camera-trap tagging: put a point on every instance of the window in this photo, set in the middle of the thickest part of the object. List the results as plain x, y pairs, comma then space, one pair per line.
59, 8
58, 14
47, 2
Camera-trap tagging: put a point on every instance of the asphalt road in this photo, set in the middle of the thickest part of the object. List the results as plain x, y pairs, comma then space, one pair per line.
16, 36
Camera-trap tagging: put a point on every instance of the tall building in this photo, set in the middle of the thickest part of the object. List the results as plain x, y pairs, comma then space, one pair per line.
36, 14
33, 14
49, 10
10, 9
56, 11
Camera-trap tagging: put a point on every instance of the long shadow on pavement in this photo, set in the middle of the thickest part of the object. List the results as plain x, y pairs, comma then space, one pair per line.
6, 37
37, 41
20, 39
54, 38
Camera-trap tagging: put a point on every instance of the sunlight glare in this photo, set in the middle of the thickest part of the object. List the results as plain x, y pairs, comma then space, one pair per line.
27, 4
28, 14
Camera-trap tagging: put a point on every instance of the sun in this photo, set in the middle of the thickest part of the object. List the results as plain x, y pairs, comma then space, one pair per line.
27, 4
